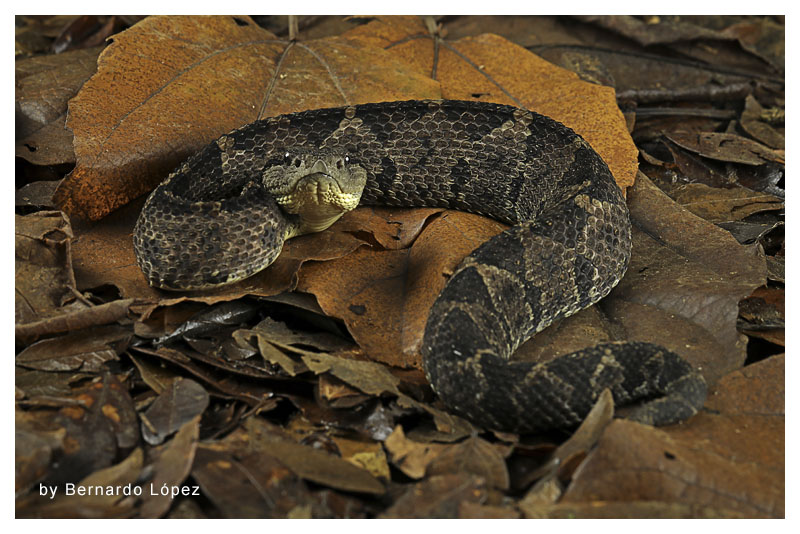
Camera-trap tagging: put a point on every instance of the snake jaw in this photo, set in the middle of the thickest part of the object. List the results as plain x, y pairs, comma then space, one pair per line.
315, 188
317, 202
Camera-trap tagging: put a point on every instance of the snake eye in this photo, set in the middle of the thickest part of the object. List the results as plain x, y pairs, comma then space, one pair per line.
347, 159
287, 158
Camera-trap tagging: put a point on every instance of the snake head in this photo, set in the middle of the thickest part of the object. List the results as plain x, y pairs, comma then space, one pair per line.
317, 186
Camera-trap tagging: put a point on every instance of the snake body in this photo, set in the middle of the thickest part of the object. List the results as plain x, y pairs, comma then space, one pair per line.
218, 218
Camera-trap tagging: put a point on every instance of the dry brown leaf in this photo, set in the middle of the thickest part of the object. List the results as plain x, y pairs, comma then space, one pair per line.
490, 68
43, 265
369, 377
231, 72
93, 424
391, 228
74, 319
366, 454
752, 124
254, 486
43, 85
438, 497
411, 457
580, 443
628, 510
384, 296
309, 463
684, 283
182, 401
172, 464
724, 205
473, 455
726, 147
83, 350
636, 462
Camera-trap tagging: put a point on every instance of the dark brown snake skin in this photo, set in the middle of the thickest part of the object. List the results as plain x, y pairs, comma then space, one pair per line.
212, 220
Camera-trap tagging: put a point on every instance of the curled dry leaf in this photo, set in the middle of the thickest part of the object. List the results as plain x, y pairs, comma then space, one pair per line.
726, 147
579, 444
411, 457
753, 124
724, 205
74, 319
43, 265
84, 350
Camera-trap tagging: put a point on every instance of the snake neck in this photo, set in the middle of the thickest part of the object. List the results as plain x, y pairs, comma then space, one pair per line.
309, 224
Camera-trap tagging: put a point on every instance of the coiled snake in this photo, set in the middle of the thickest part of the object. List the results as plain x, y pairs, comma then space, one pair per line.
224, 214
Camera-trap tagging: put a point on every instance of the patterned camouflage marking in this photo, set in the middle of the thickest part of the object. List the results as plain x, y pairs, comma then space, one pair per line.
214, 221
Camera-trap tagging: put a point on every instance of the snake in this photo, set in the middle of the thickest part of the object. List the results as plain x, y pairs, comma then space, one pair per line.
224, 214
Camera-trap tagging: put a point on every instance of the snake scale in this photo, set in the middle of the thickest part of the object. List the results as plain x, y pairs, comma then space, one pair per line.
224, 213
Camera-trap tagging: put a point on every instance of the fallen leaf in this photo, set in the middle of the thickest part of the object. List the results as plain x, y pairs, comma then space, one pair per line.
636, 462
724, 205
43, 85
36, 196
255, 486
306, 462
172, 464
438, 497
73, 319
384, 296
561, 462
198, 90
181, 402
85, 350
684, 283
366, 454
752, 124
222, 383
43, 265
473, 455
411, 457
726, 147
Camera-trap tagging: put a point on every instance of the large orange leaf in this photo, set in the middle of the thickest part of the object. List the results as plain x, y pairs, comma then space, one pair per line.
490, 68
169, 85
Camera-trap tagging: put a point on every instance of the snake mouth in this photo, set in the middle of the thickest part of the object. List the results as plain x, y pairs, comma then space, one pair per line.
320, 187
318, 193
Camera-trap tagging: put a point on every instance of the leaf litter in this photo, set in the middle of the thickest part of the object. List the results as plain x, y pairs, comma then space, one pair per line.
302, 392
